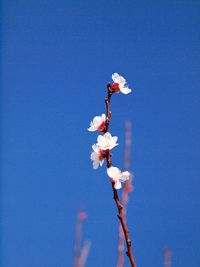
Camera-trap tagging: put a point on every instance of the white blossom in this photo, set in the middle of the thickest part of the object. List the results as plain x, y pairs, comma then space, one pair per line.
97, 123
120, 84
97, 157
118, 176
106, 141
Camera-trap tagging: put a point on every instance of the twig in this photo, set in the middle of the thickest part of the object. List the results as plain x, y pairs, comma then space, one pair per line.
84, 253
167, 257
80, 256
125, 192
120, 215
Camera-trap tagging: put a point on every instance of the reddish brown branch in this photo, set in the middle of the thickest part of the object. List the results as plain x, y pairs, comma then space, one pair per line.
107, 102
125, 192
120, 215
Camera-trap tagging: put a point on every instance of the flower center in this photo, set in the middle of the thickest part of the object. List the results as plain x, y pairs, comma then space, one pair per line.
101, 155
115, 86
101, 127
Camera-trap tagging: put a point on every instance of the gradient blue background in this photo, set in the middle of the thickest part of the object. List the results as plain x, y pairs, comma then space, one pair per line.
57, 57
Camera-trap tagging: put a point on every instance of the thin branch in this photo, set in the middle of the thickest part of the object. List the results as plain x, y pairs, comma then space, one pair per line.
84, 253
78, 253
120, 215
125, 192
108, 112
167, 257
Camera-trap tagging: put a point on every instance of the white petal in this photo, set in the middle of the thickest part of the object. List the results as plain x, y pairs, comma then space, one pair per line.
97, 119
125, 90
96, 122
118, 79
111, 146
113, 172
115, 77
95, 165
117, 185
103, 116
107, 135
92, 128
101, 162
94, 156
125, 176
114, 140
100, 139
96, 148
101, 142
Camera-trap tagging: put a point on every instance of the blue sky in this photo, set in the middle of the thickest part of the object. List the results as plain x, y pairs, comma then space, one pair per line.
57, 57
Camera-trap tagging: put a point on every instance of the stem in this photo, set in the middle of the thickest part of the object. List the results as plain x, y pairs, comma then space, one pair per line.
125, 192
120, 215
77, 241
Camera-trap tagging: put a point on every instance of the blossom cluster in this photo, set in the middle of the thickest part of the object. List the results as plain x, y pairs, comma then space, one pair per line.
107, 142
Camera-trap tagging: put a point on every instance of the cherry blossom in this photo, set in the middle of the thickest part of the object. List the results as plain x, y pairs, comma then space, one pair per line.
120, 84
97, 157
106, 141
118, 176
97, 124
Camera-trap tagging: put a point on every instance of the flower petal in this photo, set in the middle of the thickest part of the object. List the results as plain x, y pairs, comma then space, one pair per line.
115, 138
100, 139
125, 176
95, 165
95, 158
96, 122
117, 185
113, 172
101, 162
125, 90
103, 116
95, 148
107, 135
118, 79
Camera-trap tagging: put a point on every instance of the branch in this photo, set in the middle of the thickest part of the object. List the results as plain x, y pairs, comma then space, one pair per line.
120, 215
127, 188
84, 253
80, 256
125, 192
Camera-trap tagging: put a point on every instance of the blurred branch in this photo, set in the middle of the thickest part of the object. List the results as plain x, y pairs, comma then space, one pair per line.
84, 253
80, 256
167, 257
